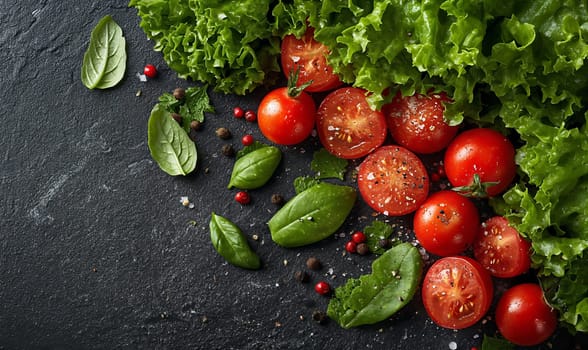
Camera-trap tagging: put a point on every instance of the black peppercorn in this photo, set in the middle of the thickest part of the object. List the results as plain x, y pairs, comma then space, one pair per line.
277, 199
177, 117
228, 150
195, 125
384, 243
179, 93
319, 316
301, 276
362, 249
223, 133
313, 264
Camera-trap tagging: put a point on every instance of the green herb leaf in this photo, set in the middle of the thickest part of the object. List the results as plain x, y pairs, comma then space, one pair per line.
195, 104
168, 102
376, 232
254, 169
169, 144
231, 244
327, 165
303, 183
105, 59
492, 343
312, 215
375, 297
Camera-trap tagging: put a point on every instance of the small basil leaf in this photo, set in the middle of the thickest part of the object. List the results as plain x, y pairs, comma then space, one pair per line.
231, 244
303, 183
105, 59
375, 297
376, 232
312, 215
326, 165
169, 144
255, 168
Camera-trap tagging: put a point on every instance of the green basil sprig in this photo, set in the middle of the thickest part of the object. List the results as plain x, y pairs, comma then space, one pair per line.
375, 297
254, 168
105, 59
231, 244
169, 144
312, 215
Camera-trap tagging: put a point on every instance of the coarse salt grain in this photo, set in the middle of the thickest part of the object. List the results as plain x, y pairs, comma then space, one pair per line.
453, 345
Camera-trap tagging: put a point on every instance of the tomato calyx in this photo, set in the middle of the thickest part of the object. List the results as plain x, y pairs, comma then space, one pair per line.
293, 90
477, 189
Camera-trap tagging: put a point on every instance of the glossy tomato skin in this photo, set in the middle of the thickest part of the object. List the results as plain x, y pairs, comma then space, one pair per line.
446, 223
310, 57
393, 181
484, 152
457, 292
417, 122
284, 119
501, 250
347, 126
523, 316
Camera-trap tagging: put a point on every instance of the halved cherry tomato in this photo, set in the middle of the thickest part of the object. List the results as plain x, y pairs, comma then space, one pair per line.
310, 57
286, 115
484, 154
501, 250
393, 181
417, 122
347, 126
457, 292
523, 317
446, 223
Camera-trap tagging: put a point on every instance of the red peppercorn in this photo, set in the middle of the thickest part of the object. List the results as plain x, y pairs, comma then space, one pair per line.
242, 197
247, 140
238, 112
250, 116
322, 288
358, 237
150, 71
351, 247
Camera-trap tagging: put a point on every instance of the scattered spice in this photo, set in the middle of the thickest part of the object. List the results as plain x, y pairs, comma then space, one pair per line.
277, 199
362, 249
351, 247
250, 116
313, 263
301, 276
238, 112
177, 117
242, 197
228, 150
319, 316
223, 133
179, 93
384, 243
322, 288
195, 125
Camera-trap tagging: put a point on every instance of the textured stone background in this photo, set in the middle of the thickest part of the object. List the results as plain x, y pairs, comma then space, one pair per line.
96, 251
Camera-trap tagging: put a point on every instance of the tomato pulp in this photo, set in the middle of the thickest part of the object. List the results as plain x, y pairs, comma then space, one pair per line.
457, 292
347, 126
310, 57
393, 181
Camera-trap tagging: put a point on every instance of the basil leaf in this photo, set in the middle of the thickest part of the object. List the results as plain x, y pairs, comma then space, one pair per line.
105, 59
253, 169
303, 183
375, 232
375, 297
169, 144
492, 343
312, 215
326, 165
231, 244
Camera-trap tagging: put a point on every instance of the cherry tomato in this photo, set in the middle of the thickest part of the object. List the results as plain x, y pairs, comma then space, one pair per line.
417, 123
150, 71
501, 250
286, 115
393, 181
310, 57
347, 126
457, 292
322, 288
483, 153
523, 316
447, 223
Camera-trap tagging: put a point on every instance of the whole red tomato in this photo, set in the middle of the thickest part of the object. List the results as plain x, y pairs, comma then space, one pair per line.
524, 317
480, 162
286, 115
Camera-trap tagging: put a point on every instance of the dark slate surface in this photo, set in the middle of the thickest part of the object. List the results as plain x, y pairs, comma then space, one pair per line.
96, 251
